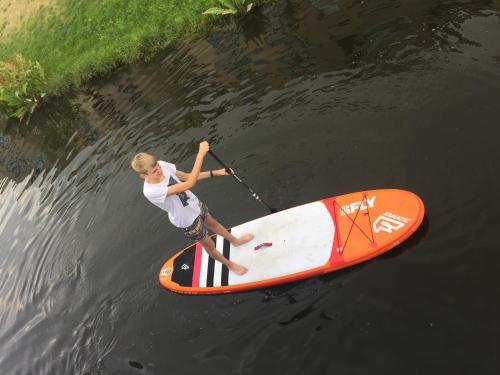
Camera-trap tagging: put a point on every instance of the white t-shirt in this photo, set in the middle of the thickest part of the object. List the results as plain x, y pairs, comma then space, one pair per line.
183, 208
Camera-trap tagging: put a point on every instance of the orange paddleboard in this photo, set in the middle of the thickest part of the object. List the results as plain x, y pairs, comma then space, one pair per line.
300, 242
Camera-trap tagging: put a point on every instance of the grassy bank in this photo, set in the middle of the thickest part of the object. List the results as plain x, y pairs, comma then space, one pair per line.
76, 39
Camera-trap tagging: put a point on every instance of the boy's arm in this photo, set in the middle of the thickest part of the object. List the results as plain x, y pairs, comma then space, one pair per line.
193, 176
183, 176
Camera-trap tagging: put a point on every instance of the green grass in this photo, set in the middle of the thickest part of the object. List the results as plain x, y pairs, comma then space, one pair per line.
84, 38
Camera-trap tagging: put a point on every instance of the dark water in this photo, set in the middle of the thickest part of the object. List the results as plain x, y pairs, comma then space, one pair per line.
306, 100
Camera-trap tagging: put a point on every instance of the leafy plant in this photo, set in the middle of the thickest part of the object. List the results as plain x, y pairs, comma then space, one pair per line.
231, 7
21, 84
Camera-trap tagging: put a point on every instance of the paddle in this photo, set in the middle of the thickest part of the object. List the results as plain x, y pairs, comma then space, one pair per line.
229, 171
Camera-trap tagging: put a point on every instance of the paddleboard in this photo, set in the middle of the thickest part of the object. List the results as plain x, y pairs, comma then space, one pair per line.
300, 242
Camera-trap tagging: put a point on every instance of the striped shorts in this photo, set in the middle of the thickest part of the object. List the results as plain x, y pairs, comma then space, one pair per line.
197, 230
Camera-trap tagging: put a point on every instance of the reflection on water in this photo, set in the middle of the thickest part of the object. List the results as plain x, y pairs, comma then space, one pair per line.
350, 40
305, 100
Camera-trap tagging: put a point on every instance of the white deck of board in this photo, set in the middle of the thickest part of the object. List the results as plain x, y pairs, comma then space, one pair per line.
302, 239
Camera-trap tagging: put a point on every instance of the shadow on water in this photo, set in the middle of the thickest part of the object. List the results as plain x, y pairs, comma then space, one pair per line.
301, 314
136, 365
254, 27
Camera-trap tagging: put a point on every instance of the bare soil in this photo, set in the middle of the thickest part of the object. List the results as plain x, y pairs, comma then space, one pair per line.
14, 12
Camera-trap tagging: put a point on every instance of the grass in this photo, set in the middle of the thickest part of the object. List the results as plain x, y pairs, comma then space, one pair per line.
79, 39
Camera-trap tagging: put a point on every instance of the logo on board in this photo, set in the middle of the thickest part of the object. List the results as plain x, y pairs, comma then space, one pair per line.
359, 205
389, 222
184, 267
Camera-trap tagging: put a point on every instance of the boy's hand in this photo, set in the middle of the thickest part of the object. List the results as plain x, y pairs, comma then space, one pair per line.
204, 147
223, 172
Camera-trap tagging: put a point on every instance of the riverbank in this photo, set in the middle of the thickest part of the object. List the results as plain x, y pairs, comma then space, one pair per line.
75, 40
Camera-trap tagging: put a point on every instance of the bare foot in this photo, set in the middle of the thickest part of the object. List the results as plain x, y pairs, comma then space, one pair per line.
243, 239
237, 269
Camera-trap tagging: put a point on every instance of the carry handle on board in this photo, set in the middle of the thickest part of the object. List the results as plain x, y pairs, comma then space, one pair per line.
230, 172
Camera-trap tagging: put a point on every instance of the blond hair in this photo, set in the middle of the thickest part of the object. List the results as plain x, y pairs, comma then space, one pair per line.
142, 161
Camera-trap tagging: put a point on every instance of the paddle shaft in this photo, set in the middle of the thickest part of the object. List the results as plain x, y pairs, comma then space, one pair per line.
254, 194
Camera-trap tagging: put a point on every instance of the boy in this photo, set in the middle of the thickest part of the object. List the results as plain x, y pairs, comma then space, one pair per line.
169, 189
